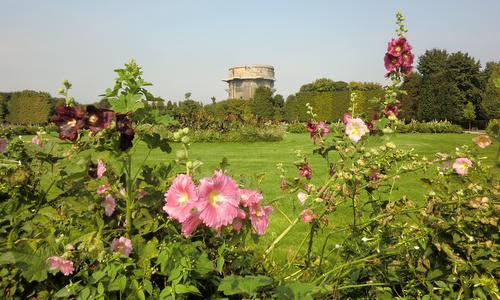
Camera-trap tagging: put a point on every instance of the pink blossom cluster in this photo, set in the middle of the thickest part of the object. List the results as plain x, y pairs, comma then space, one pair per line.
217, 202
60, 263
317, 130
355, 128
399, 57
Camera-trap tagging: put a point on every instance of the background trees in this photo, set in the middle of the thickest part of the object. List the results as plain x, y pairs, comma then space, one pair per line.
28, 107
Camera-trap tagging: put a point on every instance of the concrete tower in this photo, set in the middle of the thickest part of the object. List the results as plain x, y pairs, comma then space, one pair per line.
244, 80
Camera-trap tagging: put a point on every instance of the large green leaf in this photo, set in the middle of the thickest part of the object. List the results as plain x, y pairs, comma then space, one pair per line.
249, 285
33, 266
126, 103
296, 291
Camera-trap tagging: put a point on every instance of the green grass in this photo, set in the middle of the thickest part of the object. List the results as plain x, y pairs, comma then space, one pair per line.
254, 164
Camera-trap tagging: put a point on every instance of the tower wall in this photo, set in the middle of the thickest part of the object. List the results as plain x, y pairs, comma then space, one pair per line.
243, 80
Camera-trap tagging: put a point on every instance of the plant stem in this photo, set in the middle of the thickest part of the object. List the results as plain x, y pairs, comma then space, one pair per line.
128, 197
281, 236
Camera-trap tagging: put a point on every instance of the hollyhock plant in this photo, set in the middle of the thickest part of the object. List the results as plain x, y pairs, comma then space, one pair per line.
35, 140
190, 224
98, 118
307, 215
122, 245
3, 145
109, 205
69, 120
355, 129
482, 141
397, 47
218, 200
181, 198
346, 118
391, 63
305, 171
315, 130
259, 217
101, 168
462, 165
59, 262
102, 189
249, 197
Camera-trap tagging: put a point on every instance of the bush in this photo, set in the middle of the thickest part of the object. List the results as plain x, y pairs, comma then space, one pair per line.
296, 128
428, 127
15, 130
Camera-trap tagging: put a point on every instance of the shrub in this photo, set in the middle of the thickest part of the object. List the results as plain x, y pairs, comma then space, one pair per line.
428, 127
296, 128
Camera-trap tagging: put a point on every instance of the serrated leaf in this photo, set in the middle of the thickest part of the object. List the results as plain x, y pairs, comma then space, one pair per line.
126, 103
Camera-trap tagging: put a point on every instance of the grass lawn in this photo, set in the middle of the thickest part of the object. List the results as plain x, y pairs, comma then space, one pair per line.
256, 162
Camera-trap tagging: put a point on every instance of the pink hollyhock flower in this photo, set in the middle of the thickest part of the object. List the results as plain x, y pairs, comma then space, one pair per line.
59, 262
322, 129
35, 140
307, 215
249, 197
462, 165
259, 217
311, 128
355, 129
302, 197
3, 145
346, 118
482, 141
122, 245
407, 59
101, 168
237, 222
190, 224
392, 63
109, 205
102, 189
181, 198
305, 171
397, 47
218, 200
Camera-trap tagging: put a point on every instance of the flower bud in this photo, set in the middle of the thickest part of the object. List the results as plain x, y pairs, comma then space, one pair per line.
185, 140
185, 130
180, 154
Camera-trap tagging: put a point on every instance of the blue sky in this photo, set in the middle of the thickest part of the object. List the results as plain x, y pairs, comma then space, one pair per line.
187, 46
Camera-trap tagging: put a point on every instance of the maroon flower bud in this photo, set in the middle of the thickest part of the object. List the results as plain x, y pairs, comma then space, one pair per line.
92, 171
282, 183
370, 126
69, 120
375, 175
124, 125
331, 169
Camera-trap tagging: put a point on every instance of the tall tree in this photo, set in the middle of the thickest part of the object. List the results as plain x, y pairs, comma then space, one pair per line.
262, 103
490, 104
469, 113
409, 99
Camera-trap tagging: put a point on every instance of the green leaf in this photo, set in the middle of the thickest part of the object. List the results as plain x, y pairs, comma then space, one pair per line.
186, 289
249, 285
203, 264
33, 266
126, 103
296, 291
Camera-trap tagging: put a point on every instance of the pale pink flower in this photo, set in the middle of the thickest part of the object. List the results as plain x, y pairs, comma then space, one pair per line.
346, 118
218, 200
101, 168
59, 262
482, 141
102, 189
35, 140
355, 129
259, 217
462, 165
190, 224
307, 215
122, 245
181, 198
302, 197
109, 205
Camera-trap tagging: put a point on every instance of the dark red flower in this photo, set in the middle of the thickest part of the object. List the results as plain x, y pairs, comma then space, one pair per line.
124, 125
311, 127
69, 120
392, 109
98, 119
392, 63
92, 171
369, 125
305, 171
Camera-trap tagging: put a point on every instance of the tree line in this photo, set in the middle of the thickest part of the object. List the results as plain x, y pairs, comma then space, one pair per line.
445, 86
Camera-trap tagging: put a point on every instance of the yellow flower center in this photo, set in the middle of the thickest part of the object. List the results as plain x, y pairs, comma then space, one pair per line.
398, 49
464, 166
71, 123
213, 198
184, 198
93, 119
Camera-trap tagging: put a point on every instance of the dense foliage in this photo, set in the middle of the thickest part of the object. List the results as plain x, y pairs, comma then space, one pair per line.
80, 219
